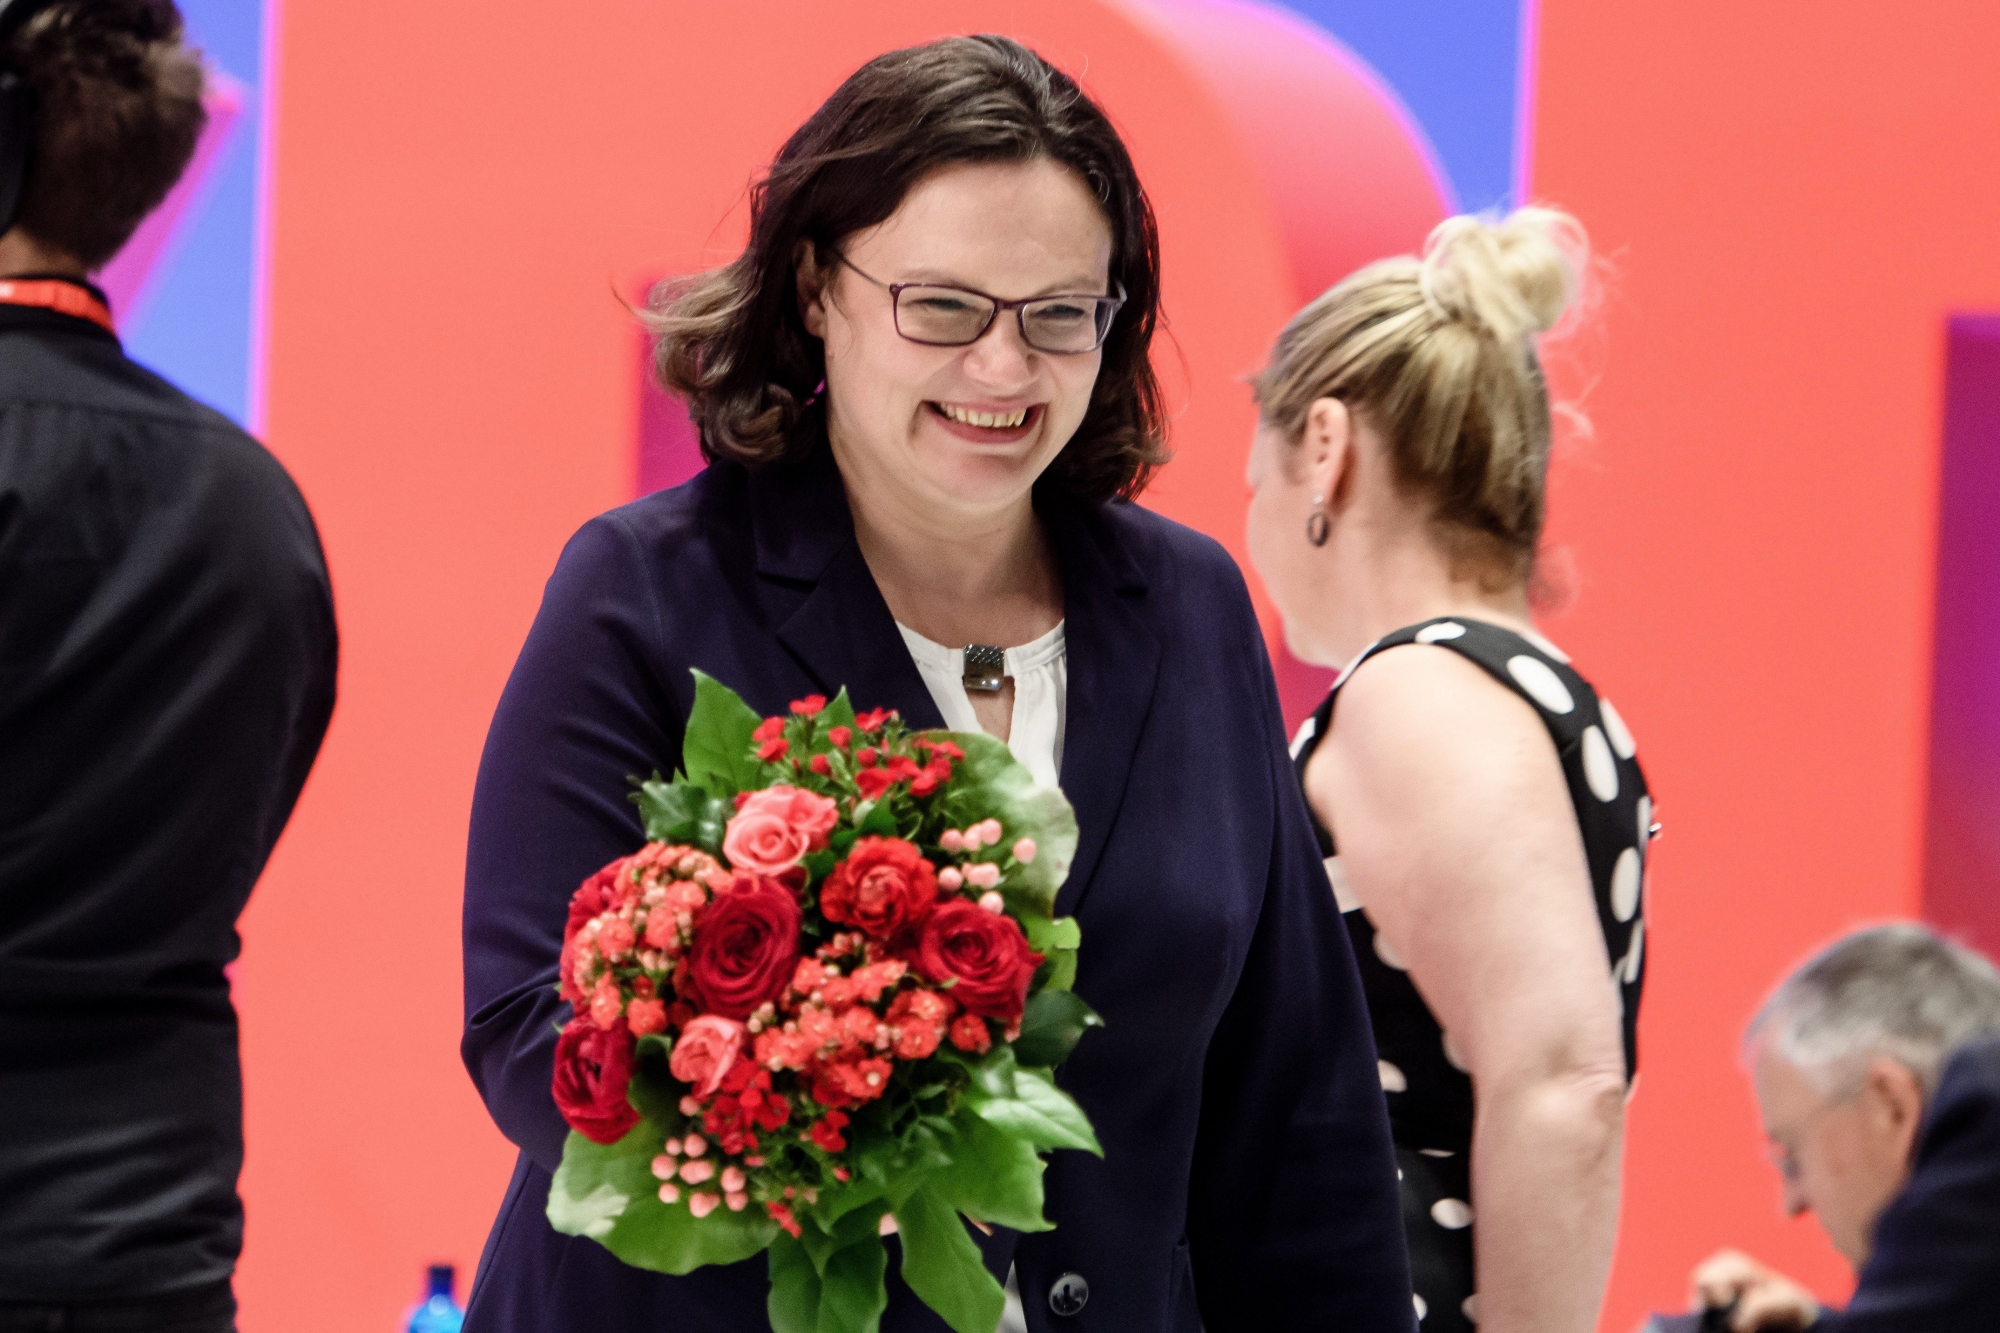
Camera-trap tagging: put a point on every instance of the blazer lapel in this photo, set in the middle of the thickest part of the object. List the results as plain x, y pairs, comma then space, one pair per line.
832, 618
1113, 666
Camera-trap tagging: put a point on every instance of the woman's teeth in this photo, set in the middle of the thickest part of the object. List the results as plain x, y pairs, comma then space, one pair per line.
989, 420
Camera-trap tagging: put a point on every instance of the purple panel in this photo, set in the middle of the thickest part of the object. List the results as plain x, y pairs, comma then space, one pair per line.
1962, 822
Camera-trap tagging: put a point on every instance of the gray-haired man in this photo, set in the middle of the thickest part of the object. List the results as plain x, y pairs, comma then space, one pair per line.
1877, 1066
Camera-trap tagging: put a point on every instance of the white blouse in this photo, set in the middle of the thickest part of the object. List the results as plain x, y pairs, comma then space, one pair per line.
1041, 688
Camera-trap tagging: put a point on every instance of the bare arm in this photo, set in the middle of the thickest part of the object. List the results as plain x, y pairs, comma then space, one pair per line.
1458, 837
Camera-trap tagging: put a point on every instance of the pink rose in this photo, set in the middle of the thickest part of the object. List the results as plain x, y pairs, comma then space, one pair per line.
708, 1046
774, 828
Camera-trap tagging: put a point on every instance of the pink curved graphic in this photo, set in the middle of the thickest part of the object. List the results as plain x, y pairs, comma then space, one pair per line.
1349, 176
126, 277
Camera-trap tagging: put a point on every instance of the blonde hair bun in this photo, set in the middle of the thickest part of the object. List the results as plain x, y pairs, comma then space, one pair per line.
1512, 278
1440, 353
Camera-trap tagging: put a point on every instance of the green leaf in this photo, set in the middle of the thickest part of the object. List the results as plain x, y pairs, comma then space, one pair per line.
593, 1214
839, 713
837, 1201
714, 822
716, 749
829, 1283
795, 1288
1040, 1113
943, 1267
1051, 1026
1056, 940
670, 810
1058, 970
1046, 933
993, 1176
993, 1075
992, 783
853, 1292
879, 822
655, 1093
684, 813
609, 1194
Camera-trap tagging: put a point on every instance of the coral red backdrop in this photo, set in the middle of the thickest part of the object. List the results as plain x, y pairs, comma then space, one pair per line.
459, 191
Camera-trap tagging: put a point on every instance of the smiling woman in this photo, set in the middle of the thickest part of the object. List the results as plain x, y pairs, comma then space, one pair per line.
925, 398
737, 342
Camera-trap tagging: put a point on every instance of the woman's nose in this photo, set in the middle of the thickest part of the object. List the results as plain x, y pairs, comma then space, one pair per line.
1000, 358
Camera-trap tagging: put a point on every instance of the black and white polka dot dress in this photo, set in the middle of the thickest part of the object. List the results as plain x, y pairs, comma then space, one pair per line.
1429, 1094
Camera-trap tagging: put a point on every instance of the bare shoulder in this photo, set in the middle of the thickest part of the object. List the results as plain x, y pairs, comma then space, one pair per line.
1425, 732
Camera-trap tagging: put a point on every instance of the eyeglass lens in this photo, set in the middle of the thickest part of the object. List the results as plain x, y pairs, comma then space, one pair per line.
949, 317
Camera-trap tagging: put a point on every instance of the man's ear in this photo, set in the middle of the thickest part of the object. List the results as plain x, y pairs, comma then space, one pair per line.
1327, 446
810, 280
1897, 1097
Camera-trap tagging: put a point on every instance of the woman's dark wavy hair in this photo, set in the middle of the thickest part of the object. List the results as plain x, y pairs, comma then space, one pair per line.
732, 340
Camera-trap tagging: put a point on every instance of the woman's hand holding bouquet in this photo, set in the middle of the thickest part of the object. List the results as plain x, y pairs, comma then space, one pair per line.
821, 1005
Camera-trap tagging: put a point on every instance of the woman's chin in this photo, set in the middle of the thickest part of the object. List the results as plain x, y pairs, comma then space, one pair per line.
983, 477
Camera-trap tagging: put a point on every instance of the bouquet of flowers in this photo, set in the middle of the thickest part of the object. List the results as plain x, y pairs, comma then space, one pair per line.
820, 1006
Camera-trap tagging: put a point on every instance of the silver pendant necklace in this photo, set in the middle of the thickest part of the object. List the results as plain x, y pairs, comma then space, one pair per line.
985, 667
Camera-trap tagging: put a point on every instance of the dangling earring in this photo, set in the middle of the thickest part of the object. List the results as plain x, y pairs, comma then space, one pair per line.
1316, 523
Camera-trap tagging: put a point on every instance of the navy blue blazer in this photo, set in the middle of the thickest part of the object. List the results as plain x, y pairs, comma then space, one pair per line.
1247, 1163
1935, 1263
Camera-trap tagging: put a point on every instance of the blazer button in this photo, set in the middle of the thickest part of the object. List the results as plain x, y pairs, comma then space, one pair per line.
1068, 1295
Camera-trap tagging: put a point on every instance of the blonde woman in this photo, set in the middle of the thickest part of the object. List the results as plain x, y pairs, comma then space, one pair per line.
1483, 814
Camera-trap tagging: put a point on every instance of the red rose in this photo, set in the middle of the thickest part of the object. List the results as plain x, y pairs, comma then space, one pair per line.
593, 1070
985, 953
745, 948
883, 886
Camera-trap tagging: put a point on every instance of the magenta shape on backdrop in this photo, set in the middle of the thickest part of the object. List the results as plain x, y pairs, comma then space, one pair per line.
669, 445
126, 277
1962, 810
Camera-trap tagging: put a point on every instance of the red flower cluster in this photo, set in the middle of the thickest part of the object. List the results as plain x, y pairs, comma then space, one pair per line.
794, 978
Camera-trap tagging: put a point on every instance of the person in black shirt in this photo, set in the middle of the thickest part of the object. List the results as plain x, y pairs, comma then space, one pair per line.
167, 659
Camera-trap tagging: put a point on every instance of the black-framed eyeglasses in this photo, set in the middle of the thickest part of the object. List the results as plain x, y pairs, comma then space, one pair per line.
940, 316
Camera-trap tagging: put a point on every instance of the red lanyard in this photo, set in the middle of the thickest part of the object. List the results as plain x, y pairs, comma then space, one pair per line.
62, 297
